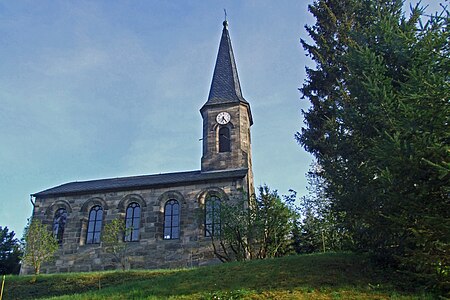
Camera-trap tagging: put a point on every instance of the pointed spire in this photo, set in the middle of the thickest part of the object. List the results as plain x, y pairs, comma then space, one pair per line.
225, 86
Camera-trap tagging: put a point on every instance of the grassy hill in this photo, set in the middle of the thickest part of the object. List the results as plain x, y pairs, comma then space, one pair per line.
318, 276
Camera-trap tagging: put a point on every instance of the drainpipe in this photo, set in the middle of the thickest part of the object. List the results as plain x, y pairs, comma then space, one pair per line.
34, 205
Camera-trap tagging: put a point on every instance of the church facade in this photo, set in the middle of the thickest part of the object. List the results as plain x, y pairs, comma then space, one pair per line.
170, 217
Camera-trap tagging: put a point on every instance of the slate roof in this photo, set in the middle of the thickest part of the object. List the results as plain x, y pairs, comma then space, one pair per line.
139, 182
225, 85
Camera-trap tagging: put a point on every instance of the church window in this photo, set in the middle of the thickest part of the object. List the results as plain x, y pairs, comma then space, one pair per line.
59, 224
212, 216
171, 220
132, 222
94, 225
224, 139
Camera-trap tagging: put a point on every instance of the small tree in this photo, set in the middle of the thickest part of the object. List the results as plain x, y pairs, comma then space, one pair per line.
233, 242
274, 223
40, 245
255, 229
113, 241
10, 252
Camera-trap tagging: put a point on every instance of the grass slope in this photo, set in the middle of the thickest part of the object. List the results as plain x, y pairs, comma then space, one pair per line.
318, 276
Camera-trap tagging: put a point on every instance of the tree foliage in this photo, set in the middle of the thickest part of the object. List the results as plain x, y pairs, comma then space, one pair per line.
378, 128
10, 252
113, 241
317, 229
255, 229
40, 245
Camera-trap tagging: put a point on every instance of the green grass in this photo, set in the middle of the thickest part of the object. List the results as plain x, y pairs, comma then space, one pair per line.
318, 276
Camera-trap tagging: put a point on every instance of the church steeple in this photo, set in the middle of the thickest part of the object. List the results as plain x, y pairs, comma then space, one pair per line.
226, 117
225, 85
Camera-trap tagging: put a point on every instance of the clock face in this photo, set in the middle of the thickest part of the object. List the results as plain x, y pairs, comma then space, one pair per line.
223, 118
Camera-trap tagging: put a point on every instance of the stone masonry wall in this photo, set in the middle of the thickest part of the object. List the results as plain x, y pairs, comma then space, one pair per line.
151, 251
239, 125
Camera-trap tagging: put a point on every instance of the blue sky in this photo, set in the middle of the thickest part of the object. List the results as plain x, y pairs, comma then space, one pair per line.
101, 89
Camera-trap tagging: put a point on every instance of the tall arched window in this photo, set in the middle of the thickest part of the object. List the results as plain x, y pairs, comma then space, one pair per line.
171, 220
224, 139
59, 223
94, 225
132, 222
212, 216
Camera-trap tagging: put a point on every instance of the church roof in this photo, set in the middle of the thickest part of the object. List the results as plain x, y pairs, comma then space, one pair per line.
138, 182
225, 85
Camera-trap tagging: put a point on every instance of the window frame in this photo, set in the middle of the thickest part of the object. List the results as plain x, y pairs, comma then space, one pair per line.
213, 219
171, 215
224, 134
133, 235
59, 224
97, 222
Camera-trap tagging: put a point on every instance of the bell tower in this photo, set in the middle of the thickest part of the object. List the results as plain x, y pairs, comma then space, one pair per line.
226, 117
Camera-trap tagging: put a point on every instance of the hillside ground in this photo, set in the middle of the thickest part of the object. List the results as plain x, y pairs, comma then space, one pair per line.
316, 276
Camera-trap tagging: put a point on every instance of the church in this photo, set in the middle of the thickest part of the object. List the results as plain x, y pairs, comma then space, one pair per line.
170, 217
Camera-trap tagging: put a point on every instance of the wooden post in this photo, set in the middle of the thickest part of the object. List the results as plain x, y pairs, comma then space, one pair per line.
3, 285
323, 243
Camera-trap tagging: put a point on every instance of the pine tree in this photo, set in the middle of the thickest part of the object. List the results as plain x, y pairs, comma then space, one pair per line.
378, 128
10, 252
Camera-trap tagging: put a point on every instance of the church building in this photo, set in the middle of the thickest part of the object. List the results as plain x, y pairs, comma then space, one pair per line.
169, 217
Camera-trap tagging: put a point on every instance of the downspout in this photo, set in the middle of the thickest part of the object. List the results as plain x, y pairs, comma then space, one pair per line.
33, 203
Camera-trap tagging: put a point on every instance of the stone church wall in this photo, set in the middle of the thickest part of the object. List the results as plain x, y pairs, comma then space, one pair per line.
151, 251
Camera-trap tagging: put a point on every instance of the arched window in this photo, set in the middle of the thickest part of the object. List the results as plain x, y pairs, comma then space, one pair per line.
94, 225
132, 222
224, 139
212, 216
171, 220
59, 223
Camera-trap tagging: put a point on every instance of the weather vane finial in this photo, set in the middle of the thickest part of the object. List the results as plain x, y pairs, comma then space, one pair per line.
225, 23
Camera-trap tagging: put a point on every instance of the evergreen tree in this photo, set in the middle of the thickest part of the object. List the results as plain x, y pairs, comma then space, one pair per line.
378, 127
10, 252
318, 229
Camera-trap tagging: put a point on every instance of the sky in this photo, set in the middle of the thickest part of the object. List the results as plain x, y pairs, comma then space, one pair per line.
104, 89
